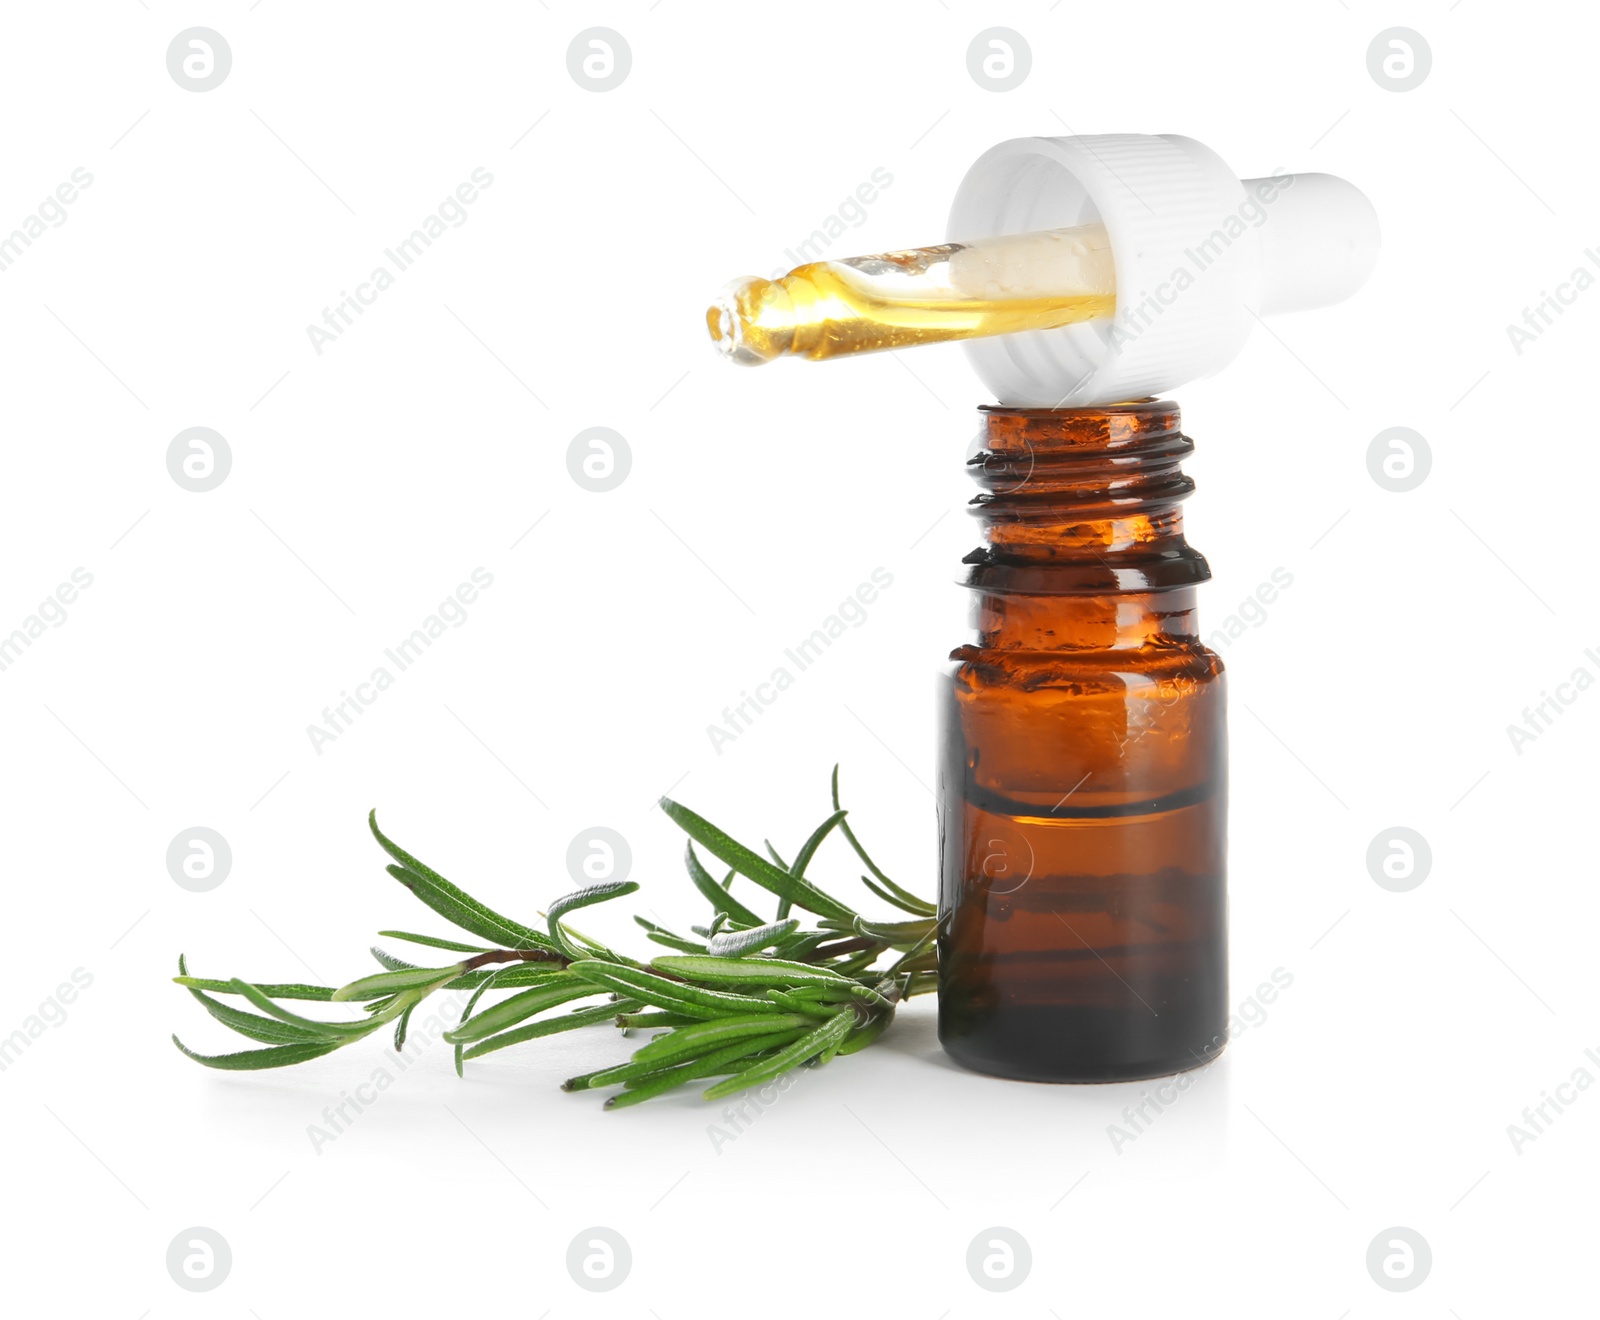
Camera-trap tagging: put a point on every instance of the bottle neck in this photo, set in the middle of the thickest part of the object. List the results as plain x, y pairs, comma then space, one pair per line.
1080, 511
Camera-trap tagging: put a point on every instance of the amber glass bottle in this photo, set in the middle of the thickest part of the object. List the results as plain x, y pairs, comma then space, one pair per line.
1083, 775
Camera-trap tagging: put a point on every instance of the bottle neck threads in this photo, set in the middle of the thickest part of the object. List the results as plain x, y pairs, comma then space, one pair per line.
1082, 501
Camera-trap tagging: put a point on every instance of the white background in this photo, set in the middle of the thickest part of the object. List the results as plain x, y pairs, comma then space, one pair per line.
369, 480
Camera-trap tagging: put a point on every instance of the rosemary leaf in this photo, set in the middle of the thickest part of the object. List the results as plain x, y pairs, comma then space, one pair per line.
734, 943
916, 909
673, 942
269, 1031
674, 996
388, 983
717, 895
340, 1032
896, 934
908, 901
583, 1017
321, 993
583, 898
795, 1003
491, 981
508, 1012
640, 1089
661, 935
655, 1018
915, 952
800, 892
432, 940
401, 1024
455, 905
693, 1042
823, 1039
861, 1037
744, 971
279, 1056
808, 849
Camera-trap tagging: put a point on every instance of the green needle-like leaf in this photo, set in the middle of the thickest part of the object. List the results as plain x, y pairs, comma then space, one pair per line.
647, 1087
743, 971
583, 1017
321, 993
337, 1031
915, 952
804, 944
279, 1056
867, 995
856, 965
896, 934
501, 931
508, 1012
390, 962
816, 991
823, 1039
792, 1003
583, 898
673, 942
808, 849
268, 1030
661, 935
861, 1037
589, 895
400, 1026
800, 892
734, 943
453, 904
717, 895
638, 1071
904, 898
691, 1042
675, 996
516, 974
655, 1018
489, 982
433, 941
917, 909
388, 983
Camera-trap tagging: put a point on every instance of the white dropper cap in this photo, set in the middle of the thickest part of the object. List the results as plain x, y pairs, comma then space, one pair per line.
1200, 255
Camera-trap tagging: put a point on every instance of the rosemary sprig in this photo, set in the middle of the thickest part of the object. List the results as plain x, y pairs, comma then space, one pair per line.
752, 999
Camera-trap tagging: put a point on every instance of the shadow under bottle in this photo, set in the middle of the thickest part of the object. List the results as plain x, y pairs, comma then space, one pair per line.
1083, 768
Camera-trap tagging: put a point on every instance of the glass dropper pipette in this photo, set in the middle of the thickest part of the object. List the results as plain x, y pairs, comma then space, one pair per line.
929, 295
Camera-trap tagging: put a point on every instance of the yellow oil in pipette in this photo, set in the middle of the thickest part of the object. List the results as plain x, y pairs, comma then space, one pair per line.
927, 295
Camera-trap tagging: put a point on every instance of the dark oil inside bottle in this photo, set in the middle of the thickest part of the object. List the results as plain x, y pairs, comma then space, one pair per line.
1083, 764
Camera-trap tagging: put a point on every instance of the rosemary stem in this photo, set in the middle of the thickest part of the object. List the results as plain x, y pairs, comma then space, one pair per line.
513, 955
